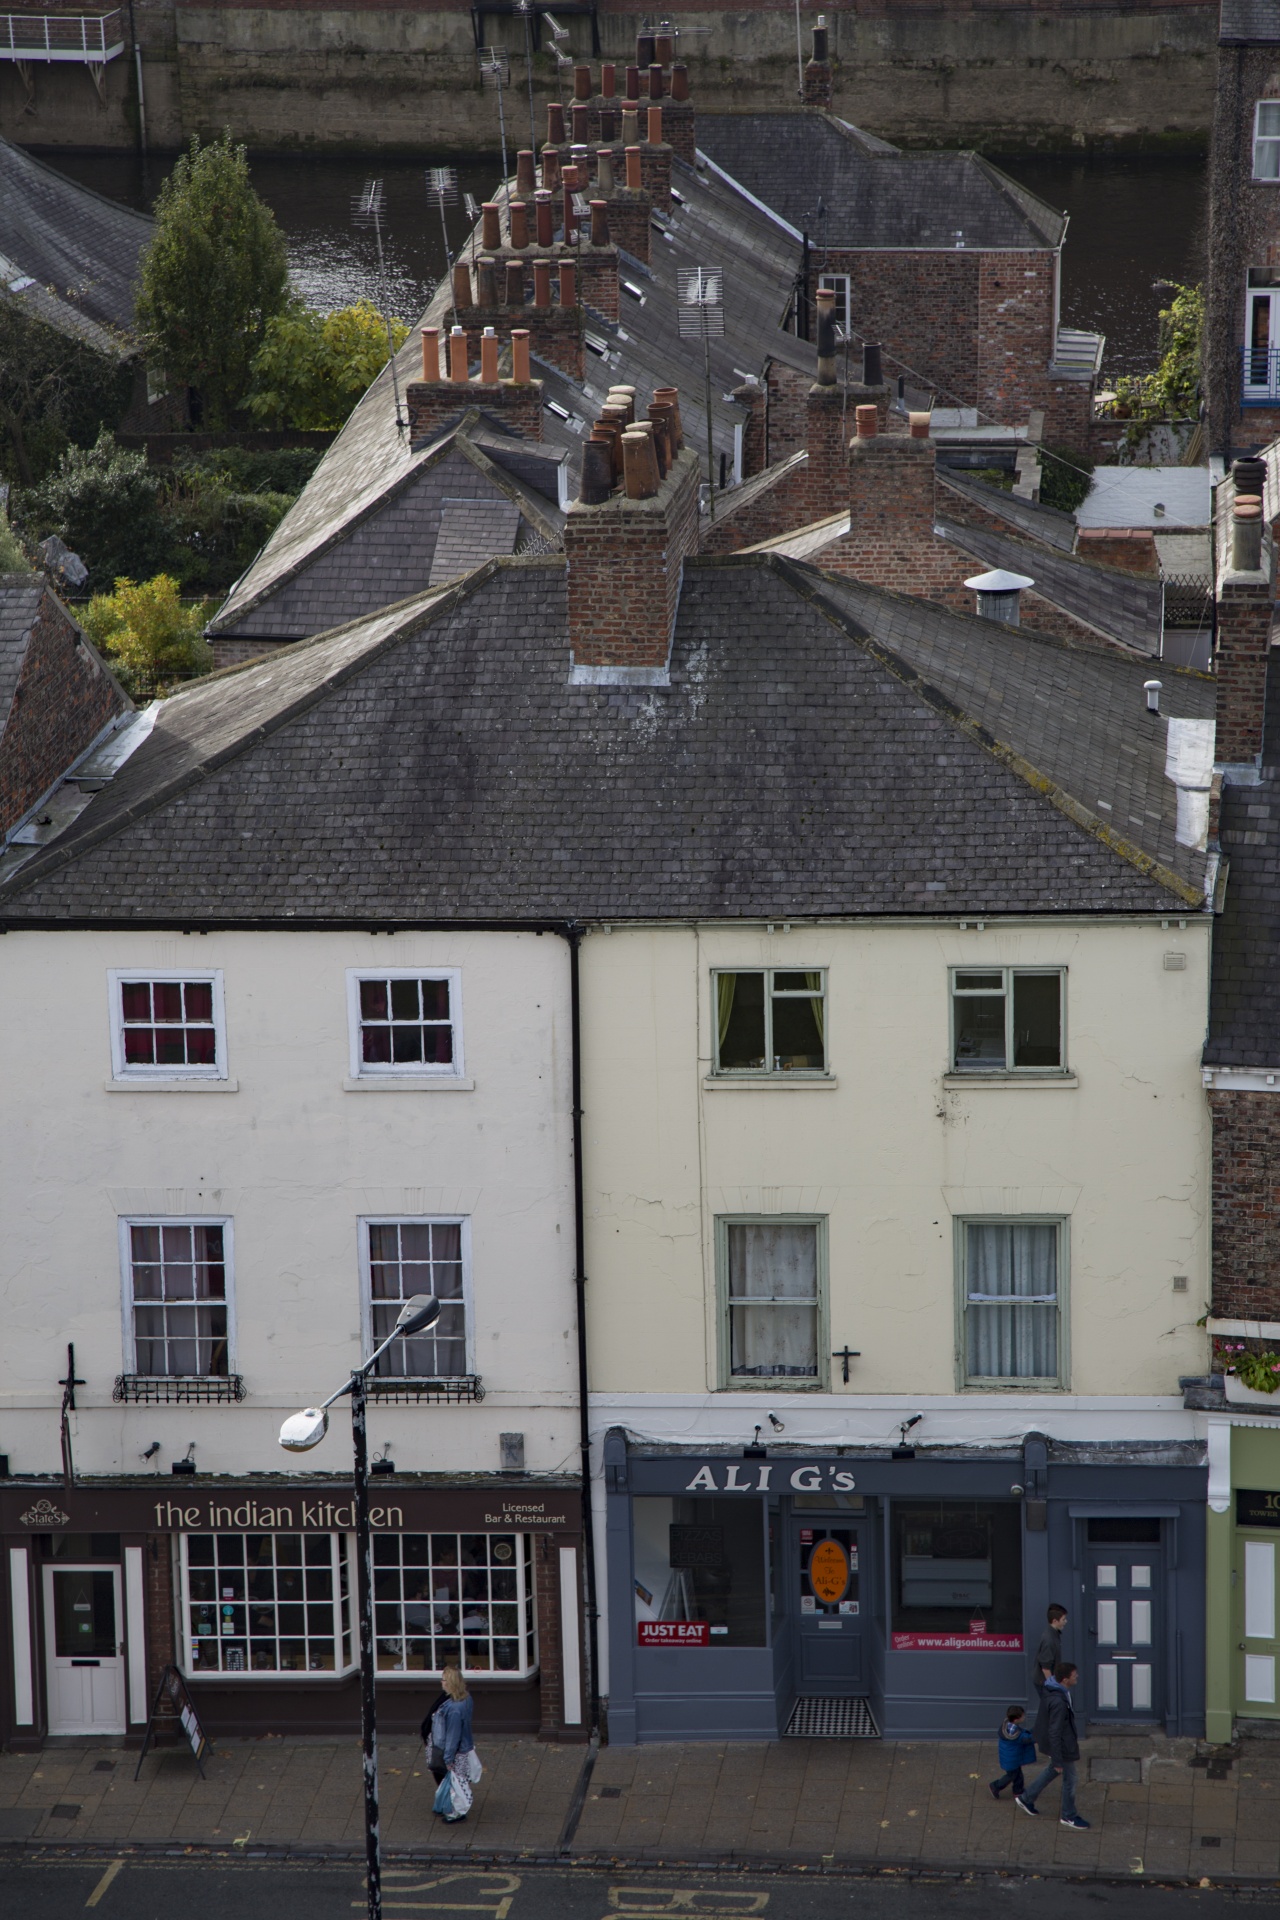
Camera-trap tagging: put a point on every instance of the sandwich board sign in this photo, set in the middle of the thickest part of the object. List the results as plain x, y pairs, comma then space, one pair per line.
173, 1688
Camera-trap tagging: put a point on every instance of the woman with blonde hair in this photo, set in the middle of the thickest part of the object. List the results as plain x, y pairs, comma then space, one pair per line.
451, 1736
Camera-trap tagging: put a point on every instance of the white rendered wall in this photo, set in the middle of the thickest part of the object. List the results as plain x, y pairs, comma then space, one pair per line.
295, 1161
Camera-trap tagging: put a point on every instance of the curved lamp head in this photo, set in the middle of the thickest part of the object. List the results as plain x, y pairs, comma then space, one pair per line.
302, 1431
417, 1314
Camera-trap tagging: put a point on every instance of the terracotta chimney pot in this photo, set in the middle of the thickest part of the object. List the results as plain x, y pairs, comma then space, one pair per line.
582, 83
609, 122
520, 355
431, 353
608, 80
581, 120
568, 284
664, 48
630, 125
655, 82
635, 177
639, 464
679, 81
519, 225
550, 169
486, 284
599, 223
458, 356
513, 291
542, 283
604, 169
489, 357
544, 215
919, 425
633, 83
461, 285
526, 171
866, 420
491, 226
655, 127
670, 396
597, 474
555, 124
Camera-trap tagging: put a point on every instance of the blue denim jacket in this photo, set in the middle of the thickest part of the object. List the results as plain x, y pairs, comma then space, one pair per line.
457, 1729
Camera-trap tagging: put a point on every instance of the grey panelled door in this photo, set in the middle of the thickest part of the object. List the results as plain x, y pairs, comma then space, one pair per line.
826, 1577
1124, 1625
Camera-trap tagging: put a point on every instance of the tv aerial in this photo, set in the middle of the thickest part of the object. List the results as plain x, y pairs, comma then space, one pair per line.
700, 316
368, 208
442, 187
495, 74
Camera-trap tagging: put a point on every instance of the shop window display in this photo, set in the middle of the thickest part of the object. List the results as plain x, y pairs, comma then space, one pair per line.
454, 1599
267, 1603
957, 1575
699, 1572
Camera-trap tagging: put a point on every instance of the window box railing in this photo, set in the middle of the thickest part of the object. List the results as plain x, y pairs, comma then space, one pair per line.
1260, 376
170, 1390
447, 1390
90, 38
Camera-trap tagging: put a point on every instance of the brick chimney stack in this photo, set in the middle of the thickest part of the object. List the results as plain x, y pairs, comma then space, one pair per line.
1245, 597
818, 91
434, 399
826, 476
626, 539
891, 541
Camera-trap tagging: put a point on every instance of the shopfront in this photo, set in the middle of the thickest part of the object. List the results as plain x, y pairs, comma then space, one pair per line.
763, 1592
1243, 1573
250, 1587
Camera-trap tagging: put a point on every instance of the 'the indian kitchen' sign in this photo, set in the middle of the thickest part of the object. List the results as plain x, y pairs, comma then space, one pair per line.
183, 1506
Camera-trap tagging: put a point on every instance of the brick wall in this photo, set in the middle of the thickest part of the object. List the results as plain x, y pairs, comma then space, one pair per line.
234, 653
1015, 332
1240, 667
555, 332
429, 403
63, 699
625, 559
546, 1583
1244, 233
1246, 1205
1132, 549
818, 91
778, 508
158, 1608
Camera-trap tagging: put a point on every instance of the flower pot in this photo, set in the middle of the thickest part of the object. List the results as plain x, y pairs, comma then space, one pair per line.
1243, 1396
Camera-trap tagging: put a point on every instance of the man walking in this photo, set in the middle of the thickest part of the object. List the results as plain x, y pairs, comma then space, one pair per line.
1056, 1737
1049, 1652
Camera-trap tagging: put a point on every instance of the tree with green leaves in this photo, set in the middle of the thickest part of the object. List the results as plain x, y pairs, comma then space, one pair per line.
151, 638
213, 278
103, 501
313, 367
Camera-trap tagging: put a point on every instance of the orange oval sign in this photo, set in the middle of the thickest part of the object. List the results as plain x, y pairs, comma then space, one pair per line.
829, 1572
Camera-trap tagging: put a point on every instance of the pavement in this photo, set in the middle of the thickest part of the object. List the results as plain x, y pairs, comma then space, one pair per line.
1170, 1810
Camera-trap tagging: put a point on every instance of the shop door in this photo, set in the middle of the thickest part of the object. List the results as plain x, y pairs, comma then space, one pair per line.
826, 1587
84, 1648
1258, 1647
1123, 1617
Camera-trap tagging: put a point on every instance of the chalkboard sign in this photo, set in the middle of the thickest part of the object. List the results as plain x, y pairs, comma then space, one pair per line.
173, 1688
1257, 1508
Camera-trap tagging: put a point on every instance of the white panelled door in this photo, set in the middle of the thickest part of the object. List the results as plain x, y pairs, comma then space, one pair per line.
1122, 1600
84, 1649
1258, 1643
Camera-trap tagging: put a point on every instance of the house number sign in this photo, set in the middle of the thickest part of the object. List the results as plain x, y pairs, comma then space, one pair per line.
1257, 1508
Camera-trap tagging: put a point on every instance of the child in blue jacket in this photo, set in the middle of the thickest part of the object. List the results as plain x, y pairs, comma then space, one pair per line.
1017, 1749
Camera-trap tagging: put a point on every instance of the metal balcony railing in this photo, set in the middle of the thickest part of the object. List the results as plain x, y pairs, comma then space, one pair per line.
1260, 376
88, 39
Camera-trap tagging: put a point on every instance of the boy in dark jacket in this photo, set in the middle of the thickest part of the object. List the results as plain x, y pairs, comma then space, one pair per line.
1017, 1750
1057, 1738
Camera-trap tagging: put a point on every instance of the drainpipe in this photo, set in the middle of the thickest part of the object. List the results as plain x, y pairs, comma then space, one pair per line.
572, 933
137, 64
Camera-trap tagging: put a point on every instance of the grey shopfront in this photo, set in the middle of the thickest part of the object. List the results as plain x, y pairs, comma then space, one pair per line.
898, 1590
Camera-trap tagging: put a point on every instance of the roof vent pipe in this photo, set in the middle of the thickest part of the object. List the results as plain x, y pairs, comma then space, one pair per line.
872, 375
826, 303
998, 595
1153, 690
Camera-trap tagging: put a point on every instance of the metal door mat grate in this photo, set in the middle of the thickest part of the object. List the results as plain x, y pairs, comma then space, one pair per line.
813, 1719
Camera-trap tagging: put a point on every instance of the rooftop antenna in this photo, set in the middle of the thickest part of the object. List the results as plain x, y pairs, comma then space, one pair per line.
367, 209
442, 185
526, 9
495, 73
563, 60
472, 212
799, 56
700, 316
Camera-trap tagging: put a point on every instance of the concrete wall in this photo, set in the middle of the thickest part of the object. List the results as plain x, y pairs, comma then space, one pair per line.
403, 78
295, 1161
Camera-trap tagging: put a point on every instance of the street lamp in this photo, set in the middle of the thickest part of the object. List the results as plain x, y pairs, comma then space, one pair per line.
301, 1432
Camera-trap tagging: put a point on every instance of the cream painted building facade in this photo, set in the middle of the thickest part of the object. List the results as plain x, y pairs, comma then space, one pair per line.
894, 1185
241, 1151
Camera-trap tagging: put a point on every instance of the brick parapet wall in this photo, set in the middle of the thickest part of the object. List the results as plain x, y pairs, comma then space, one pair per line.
234, 653
63, 699
1246, 1205
430, 403
555, 333
1131, 549
778, 509
625, 561
597, 270
629, 215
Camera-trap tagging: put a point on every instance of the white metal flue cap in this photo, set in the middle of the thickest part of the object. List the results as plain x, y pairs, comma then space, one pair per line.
999, 581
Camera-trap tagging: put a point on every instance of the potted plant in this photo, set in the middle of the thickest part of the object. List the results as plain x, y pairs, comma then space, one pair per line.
1248, 1376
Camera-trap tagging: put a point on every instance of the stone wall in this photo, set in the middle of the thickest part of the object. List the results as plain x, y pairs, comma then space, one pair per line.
401, 77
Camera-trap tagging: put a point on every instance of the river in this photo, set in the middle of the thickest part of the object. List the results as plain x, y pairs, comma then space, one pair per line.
1135, 221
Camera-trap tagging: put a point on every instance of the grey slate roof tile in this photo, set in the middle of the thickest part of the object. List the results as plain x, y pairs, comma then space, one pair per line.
471, 531
81, 249
20, 596
1249, 22
1124, 606
790, 161
433, 762
1045, 524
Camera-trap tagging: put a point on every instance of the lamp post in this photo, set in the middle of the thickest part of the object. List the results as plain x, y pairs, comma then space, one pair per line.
301, 1432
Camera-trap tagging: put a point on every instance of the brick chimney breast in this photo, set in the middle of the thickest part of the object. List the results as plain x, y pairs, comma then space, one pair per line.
1245, 609
625, 561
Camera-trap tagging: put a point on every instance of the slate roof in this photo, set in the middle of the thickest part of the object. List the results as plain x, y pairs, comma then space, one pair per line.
790, 161
434, 763
1249, 22
470, 531
79, 250
1128, 496
335, 557
1046, 525
20, 597
1125, 607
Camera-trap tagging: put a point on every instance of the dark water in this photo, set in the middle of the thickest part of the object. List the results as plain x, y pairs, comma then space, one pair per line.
1134, 221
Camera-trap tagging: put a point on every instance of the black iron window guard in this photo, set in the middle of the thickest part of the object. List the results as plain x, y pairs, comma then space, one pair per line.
449, 1390
165, 1390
